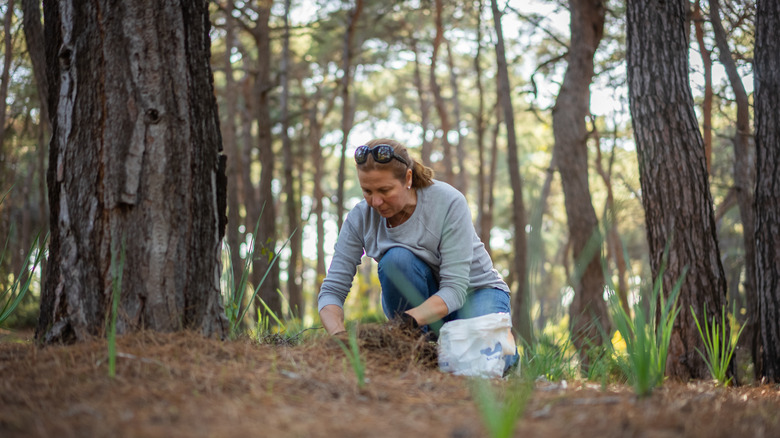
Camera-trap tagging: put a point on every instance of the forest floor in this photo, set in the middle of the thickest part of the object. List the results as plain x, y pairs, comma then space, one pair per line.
182, 385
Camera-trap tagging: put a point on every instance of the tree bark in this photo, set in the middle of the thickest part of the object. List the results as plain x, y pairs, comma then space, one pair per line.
5, 75
265, 210
673, 174
134, 162
521, 317
425, 108
438, 100
588, 311
230, 143
294, 293
706, 106
347, 113
461, 179
482, 229
767, 195
744, 178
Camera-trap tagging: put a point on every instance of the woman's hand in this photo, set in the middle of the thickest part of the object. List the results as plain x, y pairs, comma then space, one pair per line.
431, 310
332, 317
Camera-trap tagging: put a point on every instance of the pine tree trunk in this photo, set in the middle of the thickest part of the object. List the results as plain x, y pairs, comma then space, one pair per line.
706, 105
767, 194
744, 179
134, 160
673, 174
438, 99
521, 315
588, 311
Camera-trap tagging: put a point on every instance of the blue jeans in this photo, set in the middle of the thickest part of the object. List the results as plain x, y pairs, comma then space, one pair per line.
407, 281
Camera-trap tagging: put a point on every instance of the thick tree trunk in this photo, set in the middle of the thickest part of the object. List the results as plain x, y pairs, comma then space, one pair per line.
767, 194
673, 174
134, 161
521, 315
588, 312
744, 179
347, 113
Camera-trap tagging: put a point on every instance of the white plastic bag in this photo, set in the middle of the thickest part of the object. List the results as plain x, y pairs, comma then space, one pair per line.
476, 346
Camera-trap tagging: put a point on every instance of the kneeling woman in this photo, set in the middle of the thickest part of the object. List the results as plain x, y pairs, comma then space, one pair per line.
432, 265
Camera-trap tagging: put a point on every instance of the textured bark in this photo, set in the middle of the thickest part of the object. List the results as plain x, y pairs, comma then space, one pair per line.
673, 174
744, 179
347, 112
438, 99
521, 316
706, 105
588, 310
767, 195
134, 158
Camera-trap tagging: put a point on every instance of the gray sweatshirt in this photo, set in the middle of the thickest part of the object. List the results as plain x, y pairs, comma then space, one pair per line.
439, 232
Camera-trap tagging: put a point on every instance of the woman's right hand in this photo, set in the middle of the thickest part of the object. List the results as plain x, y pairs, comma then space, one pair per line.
332, 317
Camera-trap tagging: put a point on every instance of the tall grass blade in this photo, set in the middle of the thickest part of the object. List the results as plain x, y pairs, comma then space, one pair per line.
15, 293
117, 270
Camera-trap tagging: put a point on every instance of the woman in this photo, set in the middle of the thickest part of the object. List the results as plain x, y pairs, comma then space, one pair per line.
431, 264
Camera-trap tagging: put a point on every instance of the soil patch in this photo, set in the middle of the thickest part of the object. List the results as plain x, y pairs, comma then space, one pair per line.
182, 385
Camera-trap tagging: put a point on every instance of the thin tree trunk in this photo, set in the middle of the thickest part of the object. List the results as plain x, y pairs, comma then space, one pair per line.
484, 232
229, 140
766, 78
588, 311
706, 106
266, 235
5, 76
438, 100
292, 203
744, 178
425, 108
461, 179
148, 181
521, 319
33, 35
491, 176
347, 113
614, 245
673, 173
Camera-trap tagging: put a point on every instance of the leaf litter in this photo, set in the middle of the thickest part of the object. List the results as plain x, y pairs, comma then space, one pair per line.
184, 385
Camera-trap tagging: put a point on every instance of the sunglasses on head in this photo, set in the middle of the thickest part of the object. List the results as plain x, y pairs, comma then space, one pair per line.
383, 153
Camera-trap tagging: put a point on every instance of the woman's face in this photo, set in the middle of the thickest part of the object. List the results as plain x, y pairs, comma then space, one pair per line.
384, 192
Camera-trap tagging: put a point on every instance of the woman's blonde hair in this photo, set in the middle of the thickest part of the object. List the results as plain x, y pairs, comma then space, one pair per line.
422, 176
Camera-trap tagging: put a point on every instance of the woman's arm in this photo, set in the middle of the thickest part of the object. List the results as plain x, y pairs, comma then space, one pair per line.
332, 317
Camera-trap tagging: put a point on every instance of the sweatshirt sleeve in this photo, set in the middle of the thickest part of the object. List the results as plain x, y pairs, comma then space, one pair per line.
346, 257
456, 254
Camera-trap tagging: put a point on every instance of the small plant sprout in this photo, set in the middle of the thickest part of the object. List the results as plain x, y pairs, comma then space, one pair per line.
353, 355
719, 348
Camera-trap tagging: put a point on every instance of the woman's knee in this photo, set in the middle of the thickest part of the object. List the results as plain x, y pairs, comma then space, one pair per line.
396, 258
